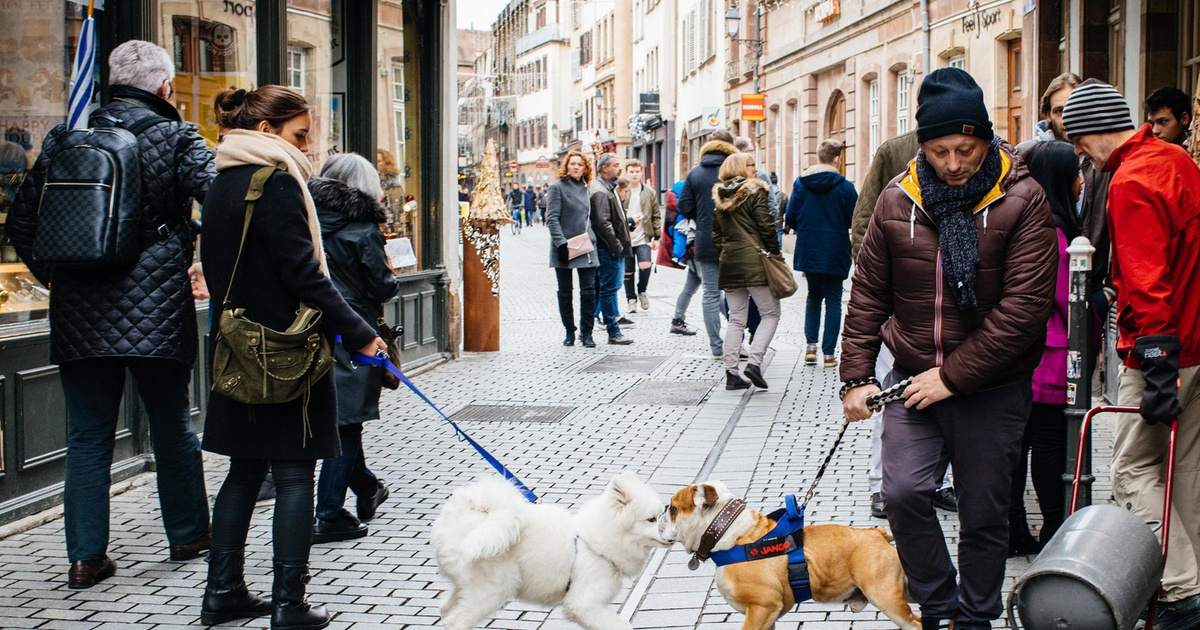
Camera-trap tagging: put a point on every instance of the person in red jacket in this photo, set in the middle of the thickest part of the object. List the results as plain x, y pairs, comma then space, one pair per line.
1154, 223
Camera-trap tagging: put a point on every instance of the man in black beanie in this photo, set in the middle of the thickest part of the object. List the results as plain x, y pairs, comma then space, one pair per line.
956, 276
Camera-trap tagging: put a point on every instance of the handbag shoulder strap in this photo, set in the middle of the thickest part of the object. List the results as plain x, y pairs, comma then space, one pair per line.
374, 309
753, 239
253, 193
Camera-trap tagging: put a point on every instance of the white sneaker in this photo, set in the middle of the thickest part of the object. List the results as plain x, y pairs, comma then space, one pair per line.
633, 304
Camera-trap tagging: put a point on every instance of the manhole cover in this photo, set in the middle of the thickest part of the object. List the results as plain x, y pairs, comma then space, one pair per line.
511, 413
666, 393
618, 363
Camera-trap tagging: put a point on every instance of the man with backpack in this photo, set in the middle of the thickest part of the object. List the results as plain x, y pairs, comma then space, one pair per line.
135, 314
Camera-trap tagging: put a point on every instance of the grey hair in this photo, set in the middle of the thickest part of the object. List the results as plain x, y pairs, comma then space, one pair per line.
743, 144
829, 150
140, 64
604, 159
354, 171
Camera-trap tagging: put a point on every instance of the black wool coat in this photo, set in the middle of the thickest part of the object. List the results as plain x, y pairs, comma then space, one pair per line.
146, 310
354, 253
277, 271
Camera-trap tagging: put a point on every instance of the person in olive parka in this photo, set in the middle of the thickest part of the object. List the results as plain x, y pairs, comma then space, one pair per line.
347, 194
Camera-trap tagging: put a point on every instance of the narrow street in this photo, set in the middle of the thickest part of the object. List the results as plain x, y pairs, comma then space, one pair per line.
564, 420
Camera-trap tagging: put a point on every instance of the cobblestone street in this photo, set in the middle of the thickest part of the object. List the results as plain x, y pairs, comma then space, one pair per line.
609, 415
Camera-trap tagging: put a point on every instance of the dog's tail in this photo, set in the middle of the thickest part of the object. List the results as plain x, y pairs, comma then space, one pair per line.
481, 520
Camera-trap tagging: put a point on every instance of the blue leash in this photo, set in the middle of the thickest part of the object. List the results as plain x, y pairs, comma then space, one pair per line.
380, 360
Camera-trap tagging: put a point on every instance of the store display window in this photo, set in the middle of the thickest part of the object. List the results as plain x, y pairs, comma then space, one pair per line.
399, 155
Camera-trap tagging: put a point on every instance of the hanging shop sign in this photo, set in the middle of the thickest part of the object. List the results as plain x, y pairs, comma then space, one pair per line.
754, 107
826, 10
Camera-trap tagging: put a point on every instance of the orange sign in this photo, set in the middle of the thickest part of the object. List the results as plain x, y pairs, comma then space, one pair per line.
753, 106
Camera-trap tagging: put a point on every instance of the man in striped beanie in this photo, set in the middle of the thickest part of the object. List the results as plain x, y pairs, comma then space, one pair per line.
1154, 222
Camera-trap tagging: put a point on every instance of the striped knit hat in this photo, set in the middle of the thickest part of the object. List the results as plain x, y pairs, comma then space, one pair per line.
1095, 107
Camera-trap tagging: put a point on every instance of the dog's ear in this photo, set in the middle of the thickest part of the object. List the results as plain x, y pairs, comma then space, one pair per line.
620, 486
706, 496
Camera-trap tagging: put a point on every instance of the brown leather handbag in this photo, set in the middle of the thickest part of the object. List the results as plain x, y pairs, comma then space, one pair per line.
779, 274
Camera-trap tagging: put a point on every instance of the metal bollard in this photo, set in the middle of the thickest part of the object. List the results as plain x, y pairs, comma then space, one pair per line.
1079, 367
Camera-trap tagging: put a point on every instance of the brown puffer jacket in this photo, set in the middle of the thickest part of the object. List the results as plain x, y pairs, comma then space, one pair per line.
901, 298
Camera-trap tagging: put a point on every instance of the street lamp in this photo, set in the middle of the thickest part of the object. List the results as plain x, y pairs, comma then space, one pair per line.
733, 20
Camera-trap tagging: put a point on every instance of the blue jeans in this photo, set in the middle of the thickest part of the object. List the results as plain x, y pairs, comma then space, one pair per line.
347, 471
610, 277
704, 273
827, 289
93, 389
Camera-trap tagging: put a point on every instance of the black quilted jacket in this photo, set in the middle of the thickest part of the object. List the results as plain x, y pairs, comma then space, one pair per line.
147, 310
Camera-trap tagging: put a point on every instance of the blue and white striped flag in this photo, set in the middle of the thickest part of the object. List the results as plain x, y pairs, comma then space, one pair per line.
83, 75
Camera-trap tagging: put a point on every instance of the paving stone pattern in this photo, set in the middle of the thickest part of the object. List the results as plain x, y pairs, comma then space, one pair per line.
773, 442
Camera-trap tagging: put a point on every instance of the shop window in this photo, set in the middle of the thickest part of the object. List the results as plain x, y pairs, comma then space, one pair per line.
211, 53
400, 43
316, 67
35, 68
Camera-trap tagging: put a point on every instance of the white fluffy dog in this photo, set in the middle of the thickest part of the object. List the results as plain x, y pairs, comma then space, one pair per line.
494, 547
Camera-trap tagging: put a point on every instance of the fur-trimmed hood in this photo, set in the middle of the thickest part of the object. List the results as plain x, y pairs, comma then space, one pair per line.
733, 193
339, 205
717, 146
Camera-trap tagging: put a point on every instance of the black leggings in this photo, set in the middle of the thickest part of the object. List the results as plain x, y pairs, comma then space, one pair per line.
1045, 445
292, 523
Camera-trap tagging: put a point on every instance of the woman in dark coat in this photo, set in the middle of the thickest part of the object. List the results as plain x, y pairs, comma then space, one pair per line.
281, 265
347, 195
742, 227
568, 214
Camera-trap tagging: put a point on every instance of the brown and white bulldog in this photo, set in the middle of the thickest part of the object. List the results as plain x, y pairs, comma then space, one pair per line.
845, 564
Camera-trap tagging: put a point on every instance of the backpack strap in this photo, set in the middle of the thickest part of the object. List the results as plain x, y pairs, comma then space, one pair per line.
254, 192
144, 123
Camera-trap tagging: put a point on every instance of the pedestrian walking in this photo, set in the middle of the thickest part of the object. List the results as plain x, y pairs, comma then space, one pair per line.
280, 265
530, 199
541, 202
516, 203
696, 204
140, 318
781, 200
1154, 221
347, 197
743, 227
820, 210
891, 159
971, 362
568, 216
1054, 166
646, 226
612, 237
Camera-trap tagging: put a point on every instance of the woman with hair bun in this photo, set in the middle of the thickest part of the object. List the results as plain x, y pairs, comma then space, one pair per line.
281, 265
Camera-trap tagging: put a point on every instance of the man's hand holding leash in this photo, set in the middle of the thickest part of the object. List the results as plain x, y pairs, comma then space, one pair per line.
854, 404
926, 389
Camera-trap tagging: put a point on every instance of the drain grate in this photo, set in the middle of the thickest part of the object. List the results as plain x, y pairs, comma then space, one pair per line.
666, 393
511, 413
620, 363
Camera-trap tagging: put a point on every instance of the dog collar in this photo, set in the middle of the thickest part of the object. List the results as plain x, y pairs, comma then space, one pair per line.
716, 529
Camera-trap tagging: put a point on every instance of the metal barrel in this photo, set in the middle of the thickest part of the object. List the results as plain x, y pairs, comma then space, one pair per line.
1097, 573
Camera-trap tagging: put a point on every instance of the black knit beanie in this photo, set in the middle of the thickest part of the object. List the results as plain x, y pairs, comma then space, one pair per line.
950, 102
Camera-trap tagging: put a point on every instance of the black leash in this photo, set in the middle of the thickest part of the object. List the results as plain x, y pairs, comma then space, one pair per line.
875, 403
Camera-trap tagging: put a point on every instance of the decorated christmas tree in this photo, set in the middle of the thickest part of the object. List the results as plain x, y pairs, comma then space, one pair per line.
481, 259
487, 202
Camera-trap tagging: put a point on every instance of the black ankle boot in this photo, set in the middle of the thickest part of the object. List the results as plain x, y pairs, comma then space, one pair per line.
292, 611
225, 596
569, 340
1021, 542
733, 380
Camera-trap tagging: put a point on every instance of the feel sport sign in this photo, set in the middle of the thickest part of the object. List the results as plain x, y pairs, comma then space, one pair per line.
753, 106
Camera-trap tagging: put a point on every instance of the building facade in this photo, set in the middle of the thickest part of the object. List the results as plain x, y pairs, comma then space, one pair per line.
704, 66
375, 73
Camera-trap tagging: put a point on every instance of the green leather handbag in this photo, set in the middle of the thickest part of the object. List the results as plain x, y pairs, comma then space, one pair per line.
256, 365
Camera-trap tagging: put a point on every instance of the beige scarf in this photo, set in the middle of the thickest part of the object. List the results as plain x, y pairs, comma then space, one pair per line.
242, 146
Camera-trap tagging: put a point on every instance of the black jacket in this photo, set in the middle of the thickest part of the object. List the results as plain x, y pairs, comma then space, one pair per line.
354, 250
696, 200
277, 271
608, 219
146, 310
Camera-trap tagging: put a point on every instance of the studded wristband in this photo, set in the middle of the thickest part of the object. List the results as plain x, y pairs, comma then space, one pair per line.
858, 382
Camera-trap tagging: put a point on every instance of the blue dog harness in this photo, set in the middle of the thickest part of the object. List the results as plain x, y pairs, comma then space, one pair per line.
787, 537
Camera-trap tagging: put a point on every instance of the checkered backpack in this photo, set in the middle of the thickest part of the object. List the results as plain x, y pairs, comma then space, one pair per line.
90, 212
